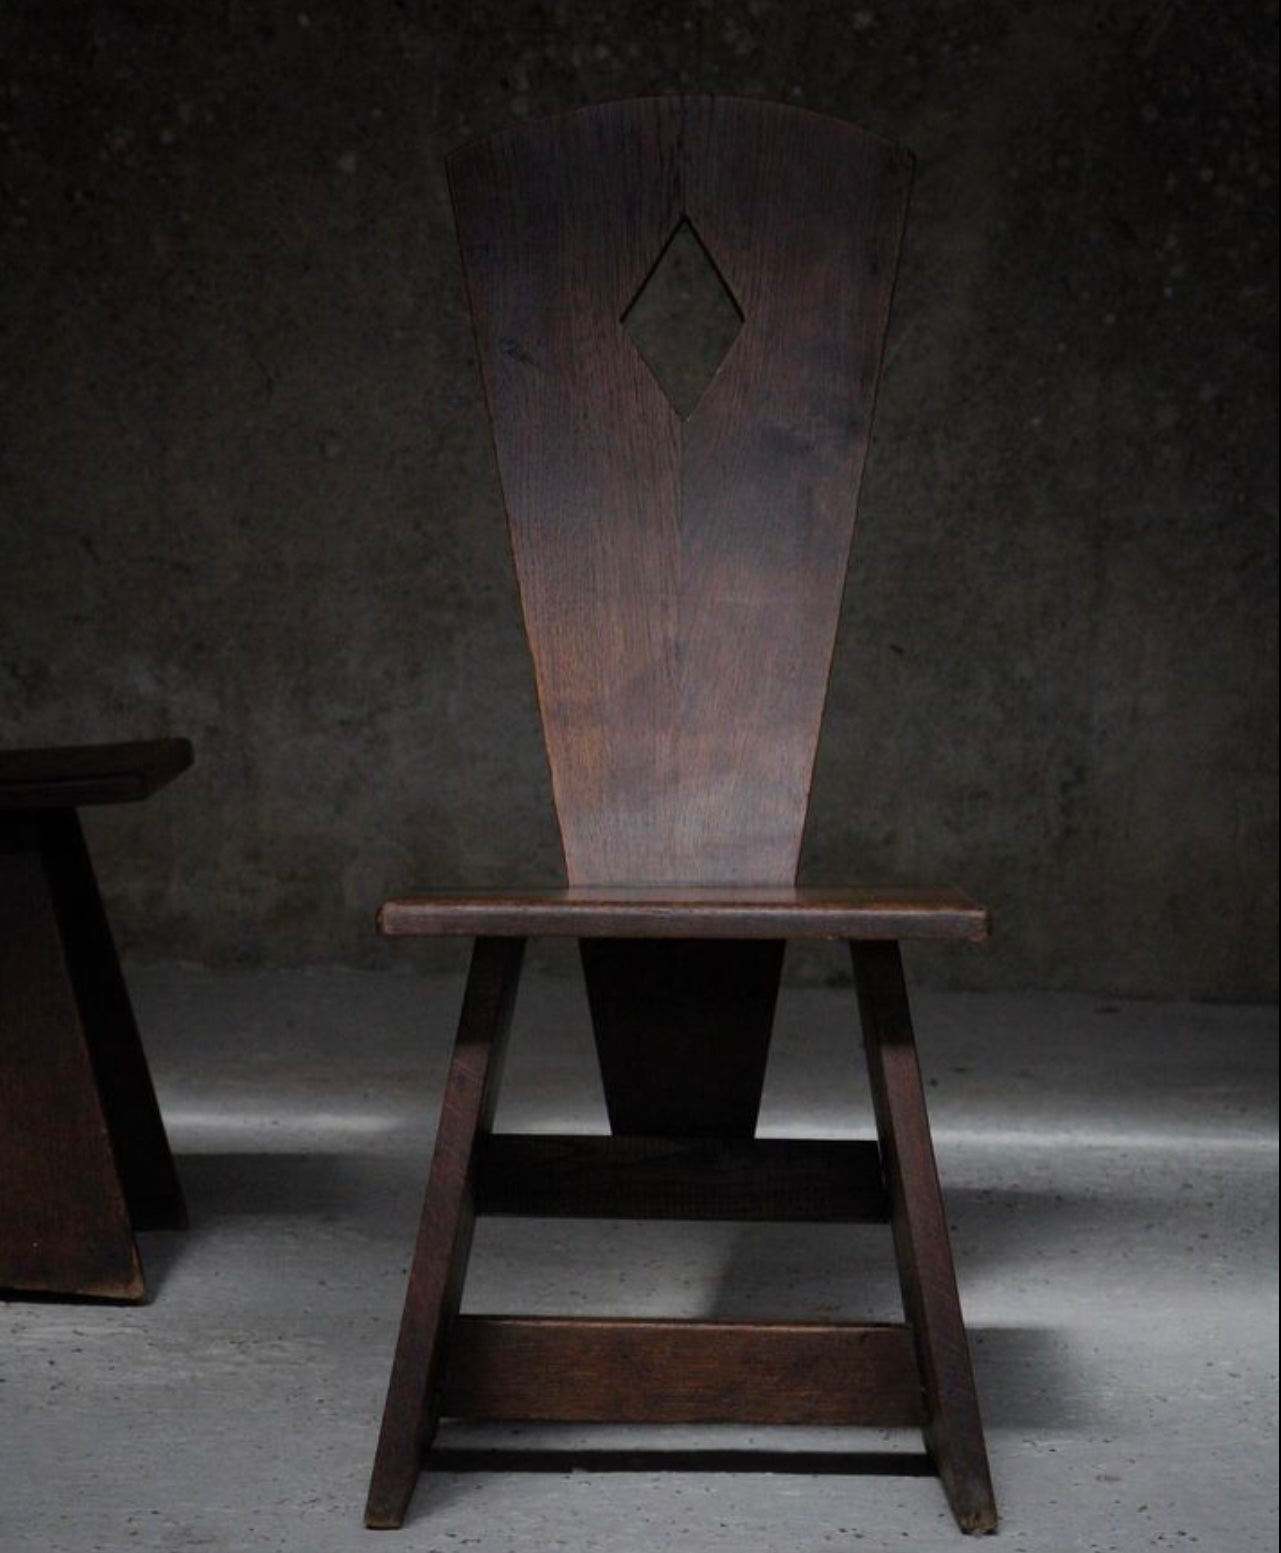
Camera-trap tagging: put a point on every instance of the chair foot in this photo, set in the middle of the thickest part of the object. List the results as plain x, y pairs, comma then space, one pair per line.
147, 1172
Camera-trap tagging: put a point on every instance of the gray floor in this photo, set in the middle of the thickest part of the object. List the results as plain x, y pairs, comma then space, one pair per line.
1111, 1178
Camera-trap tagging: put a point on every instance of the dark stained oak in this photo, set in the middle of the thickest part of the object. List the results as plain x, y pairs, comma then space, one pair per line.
680, 580
680, 575
84, 1160
953, 1428
75, 775
682, 1005
766, 1180
769, 911
128, 1098
683, 1028
64, 1221
681, 1372
445, 1228
682, 1031
681, 568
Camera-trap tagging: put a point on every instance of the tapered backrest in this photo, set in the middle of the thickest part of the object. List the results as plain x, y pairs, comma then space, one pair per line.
681, 557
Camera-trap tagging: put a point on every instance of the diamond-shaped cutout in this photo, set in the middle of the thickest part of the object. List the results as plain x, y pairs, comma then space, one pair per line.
683, 319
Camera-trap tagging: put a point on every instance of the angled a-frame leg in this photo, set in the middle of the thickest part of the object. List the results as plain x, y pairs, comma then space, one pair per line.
84, 1160
445, 1229
143, 1157
953, 1429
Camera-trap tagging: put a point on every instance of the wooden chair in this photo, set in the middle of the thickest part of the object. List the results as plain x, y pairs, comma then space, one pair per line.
84, 1160
681, 570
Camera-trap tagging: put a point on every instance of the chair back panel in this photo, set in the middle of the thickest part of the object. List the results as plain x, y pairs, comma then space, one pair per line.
680, 578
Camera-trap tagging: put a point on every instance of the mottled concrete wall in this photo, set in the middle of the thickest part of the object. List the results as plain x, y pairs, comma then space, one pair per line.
246, 492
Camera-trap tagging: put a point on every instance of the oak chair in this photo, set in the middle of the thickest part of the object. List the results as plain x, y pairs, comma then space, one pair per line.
84, 1161
681, 555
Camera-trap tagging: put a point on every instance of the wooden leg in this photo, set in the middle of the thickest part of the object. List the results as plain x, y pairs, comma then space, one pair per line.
682, 1031
128, 1098
445, 1229
953, 1429
64, 1220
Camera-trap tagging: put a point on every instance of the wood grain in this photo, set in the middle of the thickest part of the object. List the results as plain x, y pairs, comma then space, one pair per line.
139, 1144
691, 912
953, 1427
680, 580
85, 1156
675, 1372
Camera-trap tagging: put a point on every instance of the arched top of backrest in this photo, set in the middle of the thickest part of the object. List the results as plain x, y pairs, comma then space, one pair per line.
680, 576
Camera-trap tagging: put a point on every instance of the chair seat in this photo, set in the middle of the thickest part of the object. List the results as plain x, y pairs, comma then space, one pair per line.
729, 911
67, 777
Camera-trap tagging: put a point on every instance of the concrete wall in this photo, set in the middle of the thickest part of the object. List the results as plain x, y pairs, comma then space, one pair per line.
246, 492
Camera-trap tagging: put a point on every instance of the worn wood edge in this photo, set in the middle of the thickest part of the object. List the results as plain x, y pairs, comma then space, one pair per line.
628, 1370
756, 1180
128, 1290
916, 914
980, 1523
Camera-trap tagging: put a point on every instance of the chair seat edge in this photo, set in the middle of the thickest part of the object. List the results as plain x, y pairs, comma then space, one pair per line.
935, 913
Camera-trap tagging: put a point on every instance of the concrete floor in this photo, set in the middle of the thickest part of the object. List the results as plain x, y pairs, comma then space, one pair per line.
1111, 1178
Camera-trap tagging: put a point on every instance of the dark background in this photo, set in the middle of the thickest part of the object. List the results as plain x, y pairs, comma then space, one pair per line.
246, 491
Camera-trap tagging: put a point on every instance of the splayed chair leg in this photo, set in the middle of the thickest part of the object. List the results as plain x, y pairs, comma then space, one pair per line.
445, 1229
953, 1428
83, 1155
138, 1138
